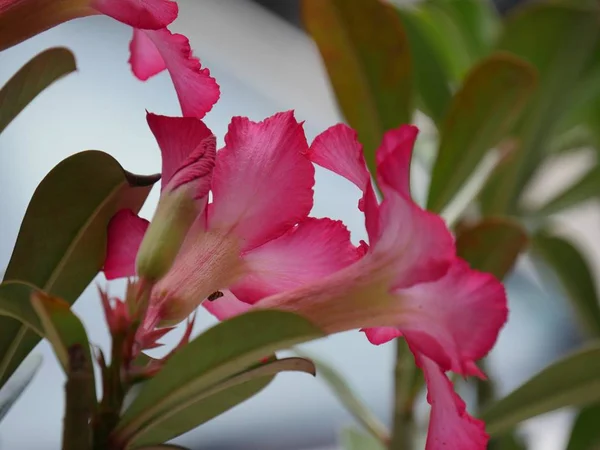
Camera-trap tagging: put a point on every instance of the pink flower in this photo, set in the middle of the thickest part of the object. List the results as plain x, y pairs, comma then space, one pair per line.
153, 47
255, 238
409, 283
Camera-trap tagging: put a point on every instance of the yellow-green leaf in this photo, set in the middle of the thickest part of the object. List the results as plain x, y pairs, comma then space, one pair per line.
492, 96
572, 381
367, 56
35, 76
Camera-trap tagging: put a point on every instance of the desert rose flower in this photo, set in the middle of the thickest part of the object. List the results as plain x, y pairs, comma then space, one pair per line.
409, 283
153, 47
254, 238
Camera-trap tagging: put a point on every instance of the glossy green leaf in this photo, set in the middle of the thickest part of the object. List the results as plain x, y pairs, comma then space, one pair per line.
367, 56
62, 241
585, 434
572, 381
15, 302
24, 19
353, 439
586, 188
492, 96
492, 245
17, 384
35, 76
429, 73
344, 393
558, 39
572, 270
221, 352
204, 404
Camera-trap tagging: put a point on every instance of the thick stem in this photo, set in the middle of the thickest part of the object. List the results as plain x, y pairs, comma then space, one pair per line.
79, 402
405, 377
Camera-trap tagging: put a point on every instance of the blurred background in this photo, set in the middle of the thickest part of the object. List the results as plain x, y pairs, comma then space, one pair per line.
264, 63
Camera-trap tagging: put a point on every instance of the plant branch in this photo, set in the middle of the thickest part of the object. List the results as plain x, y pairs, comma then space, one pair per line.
79, 402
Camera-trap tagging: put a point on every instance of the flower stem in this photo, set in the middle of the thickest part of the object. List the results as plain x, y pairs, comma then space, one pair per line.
405, 379
79, 402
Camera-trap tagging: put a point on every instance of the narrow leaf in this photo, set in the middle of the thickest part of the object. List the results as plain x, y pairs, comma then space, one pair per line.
366, 53
203, 405
492, 96
20, 20
17, 384
219, 353
572, 270
64, 234
353, 439
429, 73
558, 39
586, 188
492, 245
35, 76
572, 381
355, 406
15, 303
585, 434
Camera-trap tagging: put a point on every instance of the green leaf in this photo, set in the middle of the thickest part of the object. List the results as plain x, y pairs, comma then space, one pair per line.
349, 399
353, 439
509, 441
492, 96
61, 245
492, 245
221, 352
24, 19
559, 41
367, 56
429, 73
572, 381
15, 302
17, 384
573, 272
202, 405
35, 76
164, 447
586, 188
585, 434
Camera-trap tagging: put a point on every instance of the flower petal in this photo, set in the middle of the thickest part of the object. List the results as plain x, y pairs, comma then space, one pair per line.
144, 14
125, 233
188, 151
196, 90
455, 320
227, 306
416, 242
381, 335
262, 183
450, 425
145, 59
393, 158
338, 150
312, 250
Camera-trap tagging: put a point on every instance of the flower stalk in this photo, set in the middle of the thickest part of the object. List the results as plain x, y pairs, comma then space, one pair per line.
405, 373
79, 402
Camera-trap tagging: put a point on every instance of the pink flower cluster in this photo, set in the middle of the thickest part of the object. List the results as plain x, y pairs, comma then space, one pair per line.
254, 245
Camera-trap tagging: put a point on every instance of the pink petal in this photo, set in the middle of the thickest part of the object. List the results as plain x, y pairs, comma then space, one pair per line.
393, 158
262, 184
338, 149
312, 250
188, 150
416, 242
226, 307
381, 335
455, 320
450, 425
145, 59
145, 14
196, 89
125, 233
